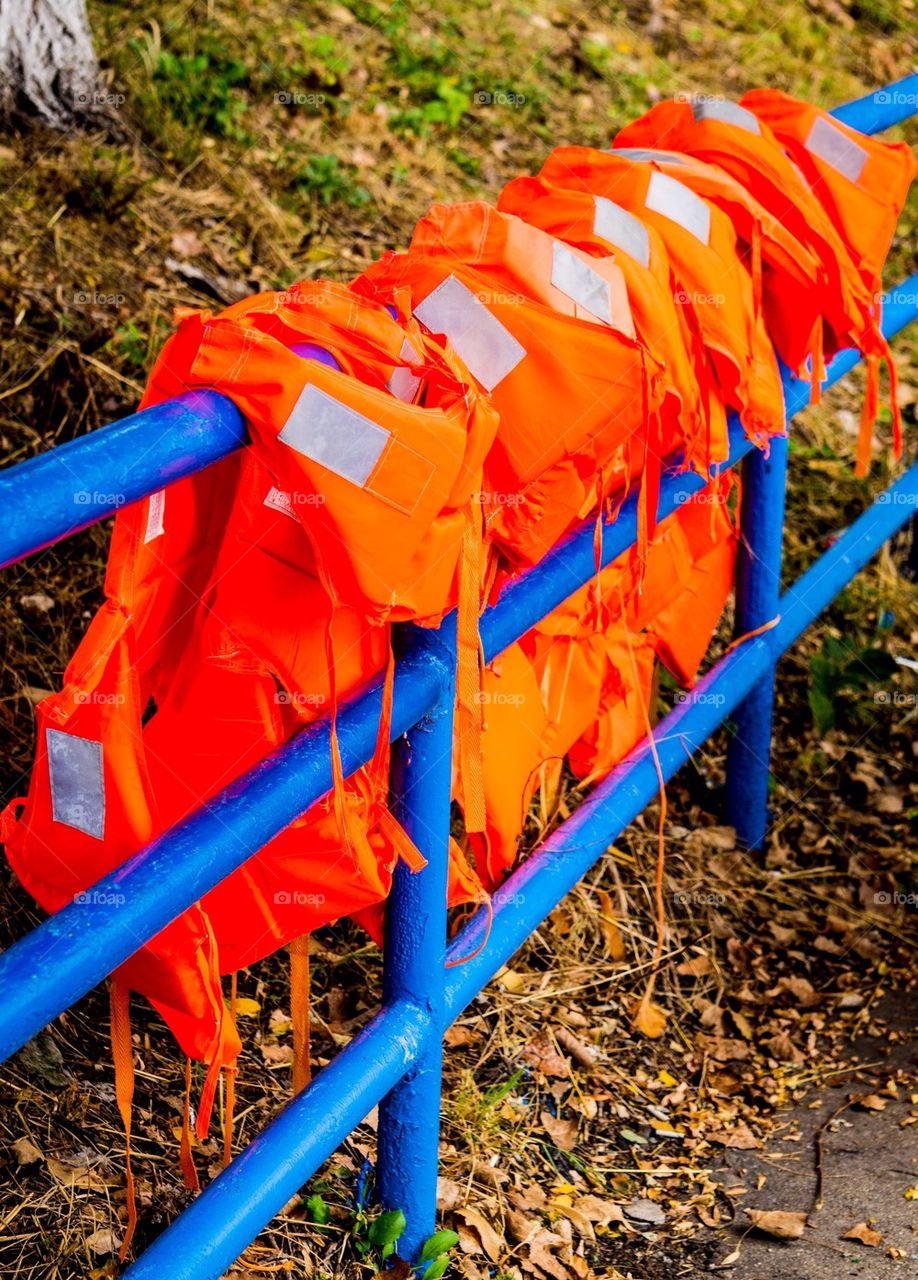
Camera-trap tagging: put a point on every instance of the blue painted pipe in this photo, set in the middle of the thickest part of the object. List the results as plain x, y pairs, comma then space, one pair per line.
415, 955
199, 853
758, 588
201, 1243
62, 491
882, 108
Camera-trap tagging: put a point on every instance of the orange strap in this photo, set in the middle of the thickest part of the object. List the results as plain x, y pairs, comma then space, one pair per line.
230, 1075
868, 415
189, 1172
817, 362
489, 906
757, 267
468, 670
299, 1011
750, 635
123, 1057
398, 837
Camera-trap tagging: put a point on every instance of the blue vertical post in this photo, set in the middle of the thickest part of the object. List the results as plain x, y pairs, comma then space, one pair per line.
758, 590
415, 952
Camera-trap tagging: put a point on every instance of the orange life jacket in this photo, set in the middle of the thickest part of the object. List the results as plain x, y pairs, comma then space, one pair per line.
566, 690
712, 283
740, 141
548, 331
603, 229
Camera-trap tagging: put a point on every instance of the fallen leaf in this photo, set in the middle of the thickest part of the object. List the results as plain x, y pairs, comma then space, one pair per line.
563, 1133
490, 1241
585, 1054
694, 967
102, 1242
872, 1102
780, 1223
449, 1194
739, 1139
865, 1234
650, 1019
73, 1175
645, 1211
26, 1151
613, 941
246, 1007
600, 1212
186, 243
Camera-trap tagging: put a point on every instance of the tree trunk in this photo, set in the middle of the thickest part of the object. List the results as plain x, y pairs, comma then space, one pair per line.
48, 65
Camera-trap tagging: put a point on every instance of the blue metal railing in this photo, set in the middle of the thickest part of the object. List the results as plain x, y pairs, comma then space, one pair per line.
397, 1059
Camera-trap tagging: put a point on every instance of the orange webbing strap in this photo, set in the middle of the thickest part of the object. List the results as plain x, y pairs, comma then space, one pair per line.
230, 1076
750, 635
397, 836
817, 362
661, 830
868, 415
757, 268
212, 1078
469, 669
299, 1011
489, 906
649, 496
123, 1057
189, 1172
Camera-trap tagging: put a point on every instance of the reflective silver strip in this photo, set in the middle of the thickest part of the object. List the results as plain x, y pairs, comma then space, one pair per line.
622, 229
403, 384
579, 282
156, 506
77, 783
726, 112
828, 143
326, 431
675, 201
647, 154
280, 500
488, 350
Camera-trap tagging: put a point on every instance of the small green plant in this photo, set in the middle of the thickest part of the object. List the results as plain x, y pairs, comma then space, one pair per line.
833, 670
435, 1254
330, 182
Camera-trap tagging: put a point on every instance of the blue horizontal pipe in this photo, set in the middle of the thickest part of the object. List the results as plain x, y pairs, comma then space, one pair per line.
882, 108
200, 852
64, 490
209, 1235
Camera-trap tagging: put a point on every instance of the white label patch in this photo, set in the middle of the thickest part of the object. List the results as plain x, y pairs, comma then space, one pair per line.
488, 350
280, 500
726, 112
326, 431
403, 384
648, 154
675, 201
836, 149
77, 783
156, 508
622, 229
579, 282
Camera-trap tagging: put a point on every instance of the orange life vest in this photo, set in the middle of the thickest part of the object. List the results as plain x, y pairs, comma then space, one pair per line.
739, 140
712, 283
548, 332
603, 229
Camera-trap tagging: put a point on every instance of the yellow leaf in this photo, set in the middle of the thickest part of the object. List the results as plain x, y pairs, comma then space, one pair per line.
612, 935
665, 1078
246, 1007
